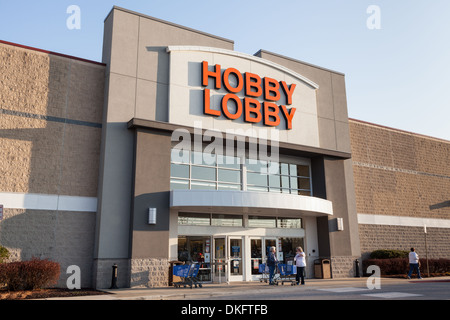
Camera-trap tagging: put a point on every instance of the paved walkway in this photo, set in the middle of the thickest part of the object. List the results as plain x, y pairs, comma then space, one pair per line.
219, 291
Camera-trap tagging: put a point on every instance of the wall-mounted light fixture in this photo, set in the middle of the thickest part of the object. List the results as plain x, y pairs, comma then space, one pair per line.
151, 216
340, 224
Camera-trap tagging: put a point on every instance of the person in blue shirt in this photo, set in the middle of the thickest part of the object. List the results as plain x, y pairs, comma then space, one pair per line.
271, 263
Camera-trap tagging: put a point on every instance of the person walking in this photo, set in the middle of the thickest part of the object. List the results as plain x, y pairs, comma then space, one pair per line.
414, 263
300, 263
271, 263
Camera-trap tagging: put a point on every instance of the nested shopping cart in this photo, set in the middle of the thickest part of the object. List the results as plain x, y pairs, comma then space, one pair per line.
264, 270
286, 272
188, 274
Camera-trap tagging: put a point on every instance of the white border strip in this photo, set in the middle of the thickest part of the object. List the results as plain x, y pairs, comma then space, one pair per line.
250, 199
35, 201
402, 221
244, 56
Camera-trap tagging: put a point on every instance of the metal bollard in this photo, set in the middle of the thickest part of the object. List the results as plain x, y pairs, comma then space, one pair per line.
114, 277
357, 268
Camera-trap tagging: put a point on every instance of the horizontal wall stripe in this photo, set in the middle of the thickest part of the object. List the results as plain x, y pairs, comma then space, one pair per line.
378, 219
50, 118
53, 202
376, 166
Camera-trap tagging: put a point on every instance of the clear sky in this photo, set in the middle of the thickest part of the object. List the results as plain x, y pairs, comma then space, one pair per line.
397, 76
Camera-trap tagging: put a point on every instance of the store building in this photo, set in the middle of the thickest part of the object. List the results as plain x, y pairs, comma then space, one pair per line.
176, 148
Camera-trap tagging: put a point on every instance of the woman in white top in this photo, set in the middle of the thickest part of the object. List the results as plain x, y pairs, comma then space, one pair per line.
300, 263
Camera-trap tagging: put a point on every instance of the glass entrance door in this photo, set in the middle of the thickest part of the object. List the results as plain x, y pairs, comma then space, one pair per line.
236, 266
220, 261
269, 242
256, 256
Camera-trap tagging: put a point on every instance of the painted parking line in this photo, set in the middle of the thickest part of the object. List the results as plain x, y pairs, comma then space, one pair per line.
344, 289
392, 295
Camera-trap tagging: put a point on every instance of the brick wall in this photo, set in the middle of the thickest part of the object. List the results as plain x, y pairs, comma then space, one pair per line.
402, 174
398, 173
50, 132
403, 238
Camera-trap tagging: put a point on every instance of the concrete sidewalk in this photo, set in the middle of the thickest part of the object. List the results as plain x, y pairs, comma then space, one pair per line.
213, 290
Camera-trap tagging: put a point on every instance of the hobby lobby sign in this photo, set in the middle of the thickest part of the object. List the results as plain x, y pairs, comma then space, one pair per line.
250, 107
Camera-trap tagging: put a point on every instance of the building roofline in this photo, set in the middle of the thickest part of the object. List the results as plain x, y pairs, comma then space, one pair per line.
168, 23
398, 130
299, 61
50, 52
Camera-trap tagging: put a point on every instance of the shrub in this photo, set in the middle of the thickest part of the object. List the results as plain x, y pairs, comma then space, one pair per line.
388, 254
29, 275
4, 254
398, 266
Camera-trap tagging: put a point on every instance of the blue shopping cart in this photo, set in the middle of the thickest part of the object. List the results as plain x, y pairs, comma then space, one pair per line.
264, 270
286, 272
188, 274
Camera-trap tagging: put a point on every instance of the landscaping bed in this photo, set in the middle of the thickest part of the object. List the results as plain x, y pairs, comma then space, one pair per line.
46, 293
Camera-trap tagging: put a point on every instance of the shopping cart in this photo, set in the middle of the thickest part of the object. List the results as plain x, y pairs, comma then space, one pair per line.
188, 274
286, 274
264, 270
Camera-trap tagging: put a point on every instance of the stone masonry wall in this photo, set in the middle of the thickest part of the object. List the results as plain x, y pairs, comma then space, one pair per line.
398, 173
402, 174
404, 238
50, 132
149, 273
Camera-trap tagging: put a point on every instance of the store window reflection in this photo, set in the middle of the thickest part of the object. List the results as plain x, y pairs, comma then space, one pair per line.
196, 249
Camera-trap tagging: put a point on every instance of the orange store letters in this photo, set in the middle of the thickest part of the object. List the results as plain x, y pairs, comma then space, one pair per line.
253, 111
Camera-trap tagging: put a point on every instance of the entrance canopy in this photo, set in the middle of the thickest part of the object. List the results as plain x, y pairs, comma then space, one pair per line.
249, 202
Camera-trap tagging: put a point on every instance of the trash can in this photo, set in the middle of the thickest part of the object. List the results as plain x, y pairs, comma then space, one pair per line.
171, 276
322, 269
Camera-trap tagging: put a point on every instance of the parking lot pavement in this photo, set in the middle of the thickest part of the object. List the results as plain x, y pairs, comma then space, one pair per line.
314, 289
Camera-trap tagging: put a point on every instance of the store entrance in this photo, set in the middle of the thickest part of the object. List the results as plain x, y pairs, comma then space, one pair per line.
234, 258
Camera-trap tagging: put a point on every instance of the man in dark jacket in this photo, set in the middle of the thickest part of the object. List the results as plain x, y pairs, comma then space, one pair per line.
271, 263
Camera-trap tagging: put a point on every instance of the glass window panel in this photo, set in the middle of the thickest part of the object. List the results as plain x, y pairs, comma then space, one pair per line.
229, 176
285, 191
224, 186
285, 181
284, 168
179, 171
261, 222
198, 219
288, 247
256, 165
303, 171
275, 181
303, 183
276, 190
292, 170
301, 192
294, 184
289, 223
227, 220
255, 188
203, 173
179, 184
228, 162
200, 158
274, 168
179, 155
201, 185
256, 179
